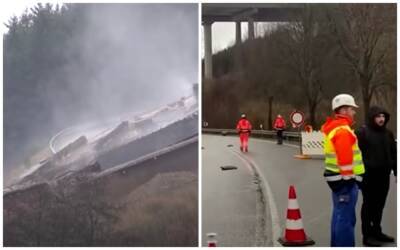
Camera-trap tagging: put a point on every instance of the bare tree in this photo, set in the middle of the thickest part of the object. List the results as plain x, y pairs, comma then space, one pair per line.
303, 49
366, 33
26, 218
93, 216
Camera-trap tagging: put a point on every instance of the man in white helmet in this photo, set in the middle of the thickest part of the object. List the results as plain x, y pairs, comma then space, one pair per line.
343, 169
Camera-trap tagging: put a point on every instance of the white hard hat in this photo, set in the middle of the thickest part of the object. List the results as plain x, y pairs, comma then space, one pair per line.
343, 100
243, 115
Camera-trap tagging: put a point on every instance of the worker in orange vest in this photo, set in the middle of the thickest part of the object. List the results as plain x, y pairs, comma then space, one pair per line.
243, 127
344, 169
279, 126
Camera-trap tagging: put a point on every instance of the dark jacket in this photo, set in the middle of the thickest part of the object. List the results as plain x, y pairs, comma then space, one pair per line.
377, 144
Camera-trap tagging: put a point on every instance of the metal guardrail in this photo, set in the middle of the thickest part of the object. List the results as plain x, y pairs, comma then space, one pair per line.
295, 136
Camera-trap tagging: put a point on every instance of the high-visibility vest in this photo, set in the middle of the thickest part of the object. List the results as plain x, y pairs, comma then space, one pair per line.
279, 123
347, 172
243, 126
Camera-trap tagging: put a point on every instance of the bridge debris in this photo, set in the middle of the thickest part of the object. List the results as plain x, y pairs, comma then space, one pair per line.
228, 167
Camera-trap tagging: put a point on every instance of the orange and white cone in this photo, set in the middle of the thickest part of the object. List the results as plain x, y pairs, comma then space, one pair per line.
211, 241
294, 232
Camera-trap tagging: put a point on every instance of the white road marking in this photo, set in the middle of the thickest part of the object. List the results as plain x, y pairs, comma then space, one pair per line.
276, 228
248, 167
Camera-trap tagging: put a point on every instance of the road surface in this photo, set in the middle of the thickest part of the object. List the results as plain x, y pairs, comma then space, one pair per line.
229, 199
231, 207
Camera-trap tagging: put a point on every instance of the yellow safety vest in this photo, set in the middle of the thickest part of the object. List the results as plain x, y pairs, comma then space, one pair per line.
342, 172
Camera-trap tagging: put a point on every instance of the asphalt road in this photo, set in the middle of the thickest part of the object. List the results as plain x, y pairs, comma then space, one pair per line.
231, 201
229, 197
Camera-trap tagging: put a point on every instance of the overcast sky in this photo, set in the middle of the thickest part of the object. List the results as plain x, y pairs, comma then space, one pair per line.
223, 34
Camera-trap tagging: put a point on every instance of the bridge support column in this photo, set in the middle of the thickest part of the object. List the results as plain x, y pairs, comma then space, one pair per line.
238, 49
238, 32
250, 28
207, 50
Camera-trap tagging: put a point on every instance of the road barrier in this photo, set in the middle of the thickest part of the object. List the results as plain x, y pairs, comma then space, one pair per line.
312, 143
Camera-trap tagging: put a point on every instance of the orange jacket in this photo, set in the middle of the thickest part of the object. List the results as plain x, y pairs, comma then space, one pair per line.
343, 140
279, 123
243, 126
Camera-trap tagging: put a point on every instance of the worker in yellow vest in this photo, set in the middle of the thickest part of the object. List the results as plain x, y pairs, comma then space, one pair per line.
343, 169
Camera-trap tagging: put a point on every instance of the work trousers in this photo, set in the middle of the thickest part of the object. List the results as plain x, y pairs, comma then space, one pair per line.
279, 134
344, 215
244, 140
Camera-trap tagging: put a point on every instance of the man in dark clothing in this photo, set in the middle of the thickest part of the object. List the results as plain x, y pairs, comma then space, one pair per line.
378, 148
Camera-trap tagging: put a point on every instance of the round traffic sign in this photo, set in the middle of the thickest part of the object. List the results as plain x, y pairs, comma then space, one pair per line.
297, 118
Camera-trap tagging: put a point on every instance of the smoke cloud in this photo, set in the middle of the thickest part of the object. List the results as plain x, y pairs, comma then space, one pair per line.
119, 58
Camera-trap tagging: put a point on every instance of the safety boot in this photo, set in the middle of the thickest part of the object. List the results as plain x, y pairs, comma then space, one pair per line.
371, 242
384, 238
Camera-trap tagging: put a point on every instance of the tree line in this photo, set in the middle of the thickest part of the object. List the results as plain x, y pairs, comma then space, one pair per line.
37, 47
80, 212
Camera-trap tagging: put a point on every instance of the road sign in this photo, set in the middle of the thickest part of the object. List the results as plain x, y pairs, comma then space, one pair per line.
297, 118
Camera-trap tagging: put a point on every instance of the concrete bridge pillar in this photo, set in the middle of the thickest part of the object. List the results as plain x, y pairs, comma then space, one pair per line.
207, 50
238, 32
250, 28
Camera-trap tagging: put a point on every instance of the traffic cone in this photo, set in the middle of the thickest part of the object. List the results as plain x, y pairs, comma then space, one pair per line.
294, 232
211, 242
